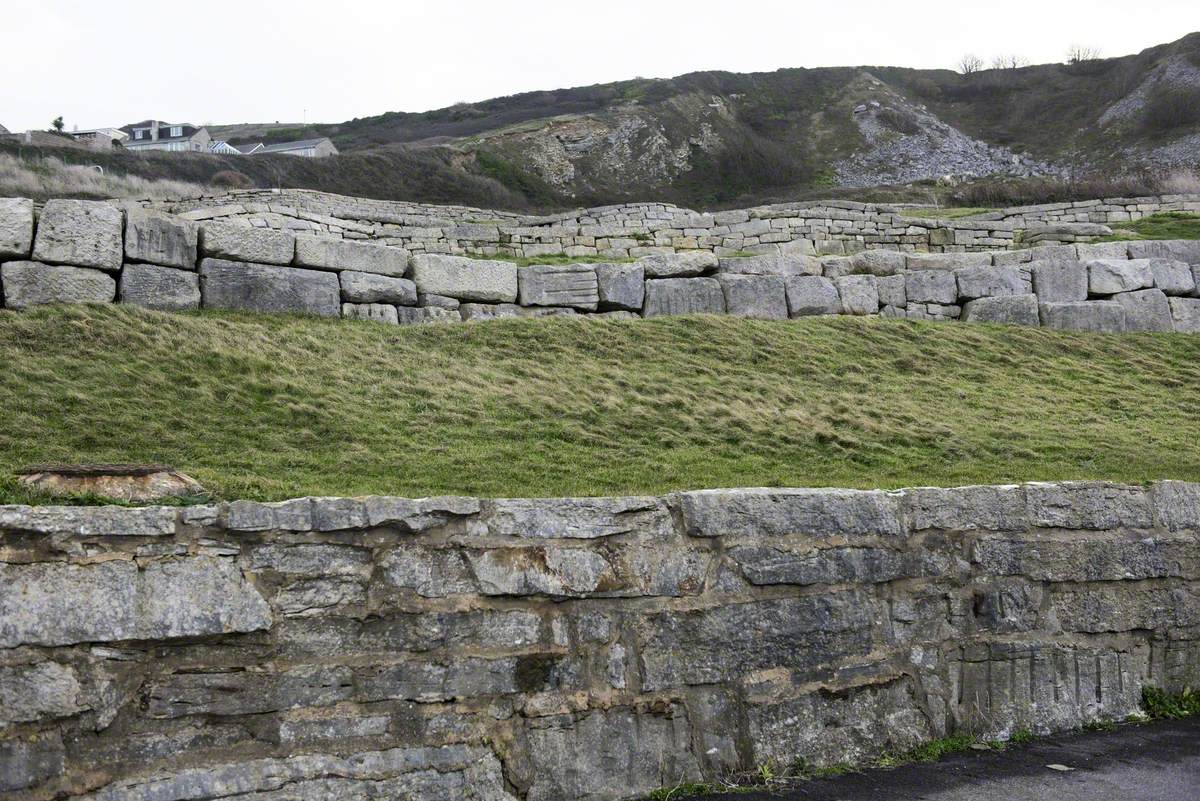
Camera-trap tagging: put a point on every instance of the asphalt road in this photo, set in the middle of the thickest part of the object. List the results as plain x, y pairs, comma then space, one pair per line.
1153, 762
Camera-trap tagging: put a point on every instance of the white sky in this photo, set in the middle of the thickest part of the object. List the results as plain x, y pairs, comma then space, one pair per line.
112, 62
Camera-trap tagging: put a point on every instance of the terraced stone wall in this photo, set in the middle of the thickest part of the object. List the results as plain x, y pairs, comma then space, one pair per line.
587, 649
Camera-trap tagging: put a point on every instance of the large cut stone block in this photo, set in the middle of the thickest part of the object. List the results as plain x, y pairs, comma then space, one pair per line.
859, 294
1100, 316
374, 288
16, 227
159, 239
413, 315
621, 286
1110, 276
763, 513
242, 243
341, 254
1185, 313
570, 285
772, 264
164, 288
879, 262
679, 265
1010, 310
683, 296
987, 282
1059, 281
266, 288
376, 312
29, 283
924, 262
1173, 277
931, 286
811, 294
1146, 310
465, 279
81, 233
762, 297
1186, 250
892, 290
52, 603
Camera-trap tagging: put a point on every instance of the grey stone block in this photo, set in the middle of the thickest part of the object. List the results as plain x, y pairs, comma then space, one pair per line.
1102, 250
924, 262
931, 286
763, 297
892, 290
679, 265
1110, 276
31, 760
374, 288
1146, 310
621, 286
465, 279
1185, 313
437, 301
859, 294
569, 285
16, 228
158, 239
879, 262
1173, 277
40, 691
340, 254
410, 315
163, 288
267, 288
1186, 250
30, 283
812, 294
80, 233
246, 244
1009, 309
772, 264
987, 282
1059, 281
683, 296
1100, 316
376, 312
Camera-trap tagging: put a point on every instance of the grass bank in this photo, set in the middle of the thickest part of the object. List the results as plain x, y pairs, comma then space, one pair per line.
273, 407
1167, 225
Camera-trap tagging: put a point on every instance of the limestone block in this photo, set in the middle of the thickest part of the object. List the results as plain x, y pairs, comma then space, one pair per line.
859, 294
931, 286
30, 283
679, 265
1091, 505
374, 288
158, 239
1102, 250
1185, 250
621, 286
1110, 276
1008, 309
437, 301
1059, 281
763, 297
408, 315
340, 254
466, 279
163, 288
80, 233
377, 312
989, 508
683, 296
892, 290
1173, 277
575, 518
766, 513
986, 282
811, 294
89, 521
16, 228
267, 288
772, 264
569, 285
879, 262
35, 692
245, 244
1185, 313
1099, 316
1146, 310
31, 760
924, 262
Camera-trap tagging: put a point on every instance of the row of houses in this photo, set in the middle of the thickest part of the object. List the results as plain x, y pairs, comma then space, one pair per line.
186, 138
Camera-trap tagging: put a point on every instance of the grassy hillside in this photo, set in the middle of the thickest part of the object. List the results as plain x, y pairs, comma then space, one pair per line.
276, 407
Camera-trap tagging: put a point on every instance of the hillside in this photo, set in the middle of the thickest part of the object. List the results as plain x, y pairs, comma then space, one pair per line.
561, 407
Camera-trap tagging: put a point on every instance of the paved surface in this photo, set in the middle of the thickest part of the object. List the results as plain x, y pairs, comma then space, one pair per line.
1154, 762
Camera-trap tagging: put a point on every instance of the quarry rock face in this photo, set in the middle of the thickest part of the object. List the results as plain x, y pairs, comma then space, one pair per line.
80, 233
29, 283
265, 288
160, 239
466, 279
16, 228
161, 288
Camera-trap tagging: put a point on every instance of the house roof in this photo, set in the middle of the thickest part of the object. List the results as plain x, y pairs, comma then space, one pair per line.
246, 149
3, 130
188, 130
297, 145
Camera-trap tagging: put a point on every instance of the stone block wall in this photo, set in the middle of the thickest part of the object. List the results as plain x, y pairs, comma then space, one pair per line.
599, 648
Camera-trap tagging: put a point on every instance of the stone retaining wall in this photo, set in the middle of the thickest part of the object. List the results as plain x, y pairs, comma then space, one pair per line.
587, 649
81, 251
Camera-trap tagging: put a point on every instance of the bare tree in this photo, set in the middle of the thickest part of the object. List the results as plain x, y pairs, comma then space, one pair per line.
1011, 62
1078, 54
970, 64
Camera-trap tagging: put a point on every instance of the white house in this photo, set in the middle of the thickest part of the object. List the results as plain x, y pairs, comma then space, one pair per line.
157, 135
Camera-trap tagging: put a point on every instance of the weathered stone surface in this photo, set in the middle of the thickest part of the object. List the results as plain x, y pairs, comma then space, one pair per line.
621, 286
163, 288
80, 233
1177, 504
879, 262
16, 228
993, 508
31, 283
779, 513
923, 262
1059, 281
1088, 505
466, 279
987, 282
1185, 250
420, 514
762, 297
375, 312
772, 264
35, 692
474, 312
58, 604
679, 265
437, 301
339, 254
408, 315
244, 244
122, 483
1146, 310
1185, 314
1087, 251
1085, 560
859, 294
575, 518
767, 565
89, 521
266, 288
892, 290
931, 286
26, 762
1100, 316
1173, 277
248, 693
683, 296
1010, 310
1110, 276
373, 288
159, 239
811, 294
568, 285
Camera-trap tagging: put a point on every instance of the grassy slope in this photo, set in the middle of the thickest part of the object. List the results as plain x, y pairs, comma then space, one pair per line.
277, 407
1168, 225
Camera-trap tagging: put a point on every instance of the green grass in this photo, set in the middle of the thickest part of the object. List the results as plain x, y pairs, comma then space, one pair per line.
944, 213
270, 407
1161, 705
1167, 225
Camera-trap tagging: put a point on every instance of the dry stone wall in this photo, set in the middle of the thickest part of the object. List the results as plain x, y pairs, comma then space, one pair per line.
587, 649
89, 252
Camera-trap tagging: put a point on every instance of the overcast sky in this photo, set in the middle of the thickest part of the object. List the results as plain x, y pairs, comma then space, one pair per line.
114, 62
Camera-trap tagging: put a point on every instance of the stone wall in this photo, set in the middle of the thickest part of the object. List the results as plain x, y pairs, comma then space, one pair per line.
587, 649
80, 251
